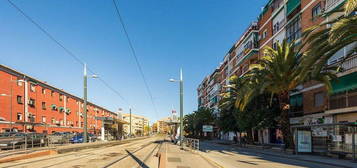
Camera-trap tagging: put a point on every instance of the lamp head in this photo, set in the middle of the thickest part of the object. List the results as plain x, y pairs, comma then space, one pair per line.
172, 80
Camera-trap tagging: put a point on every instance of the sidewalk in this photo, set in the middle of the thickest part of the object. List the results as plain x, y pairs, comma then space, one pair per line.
301, 157
177, 158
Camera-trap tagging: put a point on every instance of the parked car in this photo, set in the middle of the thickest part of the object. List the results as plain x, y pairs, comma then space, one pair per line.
79, 138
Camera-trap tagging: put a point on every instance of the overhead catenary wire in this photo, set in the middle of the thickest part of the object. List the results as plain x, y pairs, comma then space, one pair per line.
69, 52
134, 54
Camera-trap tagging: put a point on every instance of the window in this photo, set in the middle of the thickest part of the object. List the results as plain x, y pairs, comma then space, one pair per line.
19, 99
43, 105
53, 121
319, 99
19, 83
19, 116
43, 91
32, 87
293, 29
275, 45
43, 119
265, 34
60, 97
32, 102
316, 11
276, 27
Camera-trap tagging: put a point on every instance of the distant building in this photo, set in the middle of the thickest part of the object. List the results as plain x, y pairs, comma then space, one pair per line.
138, 124
164, 125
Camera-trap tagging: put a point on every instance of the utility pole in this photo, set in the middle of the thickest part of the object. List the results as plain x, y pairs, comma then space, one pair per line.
143, 128
85, 104
181, 109
130, 121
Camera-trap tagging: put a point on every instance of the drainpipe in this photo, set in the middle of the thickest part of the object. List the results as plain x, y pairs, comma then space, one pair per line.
26, 112
79, 114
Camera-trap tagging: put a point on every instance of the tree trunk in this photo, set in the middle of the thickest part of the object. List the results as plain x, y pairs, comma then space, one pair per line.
249, 136
284, 119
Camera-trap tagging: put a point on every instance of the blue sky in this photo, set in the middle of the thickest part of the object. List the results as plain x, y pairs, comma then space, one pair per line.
167, 35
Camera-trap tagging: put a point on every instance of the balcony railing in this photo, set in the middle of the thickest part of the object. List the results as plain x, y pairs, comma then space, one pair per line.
332, 4
343, 100
347, 64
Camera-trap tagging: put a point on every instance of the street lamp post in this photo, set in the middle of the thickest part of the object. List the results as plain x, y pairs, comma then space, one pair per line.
181, 106
85, 77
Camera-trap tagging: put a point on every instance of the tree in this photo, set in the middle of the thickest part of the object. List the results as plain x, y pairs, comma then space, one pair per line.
326, 39
278, 72
193, 122
260, 112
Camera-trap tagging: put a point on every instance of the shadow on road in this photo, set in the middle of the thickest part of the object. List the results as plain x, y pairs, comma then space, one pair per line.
141, 163
248, 156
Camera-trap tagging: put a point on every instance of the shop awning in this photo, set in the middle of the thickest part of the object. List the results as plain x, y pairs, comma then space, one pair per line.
344, 83
292, 5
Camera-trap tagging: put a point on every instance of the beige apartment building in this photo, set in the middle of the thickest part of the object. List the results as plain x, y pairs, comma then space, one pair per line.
139, 124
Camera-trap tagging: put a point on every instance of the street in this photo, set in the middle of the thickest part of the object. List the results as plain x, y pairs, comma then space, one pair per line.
231, 157
133, 154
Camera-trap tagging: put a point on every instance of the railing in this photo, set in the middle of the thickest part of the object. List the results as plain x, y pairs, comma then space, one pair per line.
350, 63
192, 143
331, 4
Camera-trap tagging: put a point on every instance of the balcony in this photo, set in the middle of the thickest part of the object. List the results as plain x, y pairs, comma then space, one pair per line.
343, 100
346, 65
332, 4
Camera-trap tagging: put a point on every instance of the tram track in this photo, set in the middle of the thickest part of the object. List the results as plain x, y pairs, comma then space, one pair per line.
61, 159
141, 163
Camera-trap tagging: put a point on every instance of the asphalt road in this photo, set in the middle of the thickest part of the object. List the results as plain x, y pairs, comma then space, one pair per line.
231, 157
133, 154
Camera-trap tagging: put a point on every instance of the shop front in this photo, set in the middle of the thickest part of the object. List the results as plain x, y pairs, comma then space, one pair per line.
326, 139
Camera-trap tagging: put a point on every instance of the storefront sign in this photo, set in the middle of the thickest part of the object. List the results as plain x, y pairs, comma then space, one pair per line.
207, 128
304, 141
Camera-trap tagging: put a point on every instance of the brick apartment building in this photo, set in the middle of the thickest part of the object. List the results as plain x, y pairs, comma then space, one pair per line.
311, 104
30, 105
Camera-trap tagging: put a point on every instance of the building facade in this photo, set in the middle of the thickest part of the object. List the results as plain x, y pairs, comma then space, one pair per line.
311, 104
139, 124
30, 105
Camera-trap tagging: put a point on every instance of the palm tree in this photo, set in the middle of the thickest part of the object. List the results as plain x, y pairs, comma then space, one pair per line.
323, 41
279, 72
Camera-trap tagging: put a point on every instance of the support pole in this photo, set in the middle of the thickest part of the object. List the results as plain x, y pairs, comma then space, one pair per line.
181, 109
85, 136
